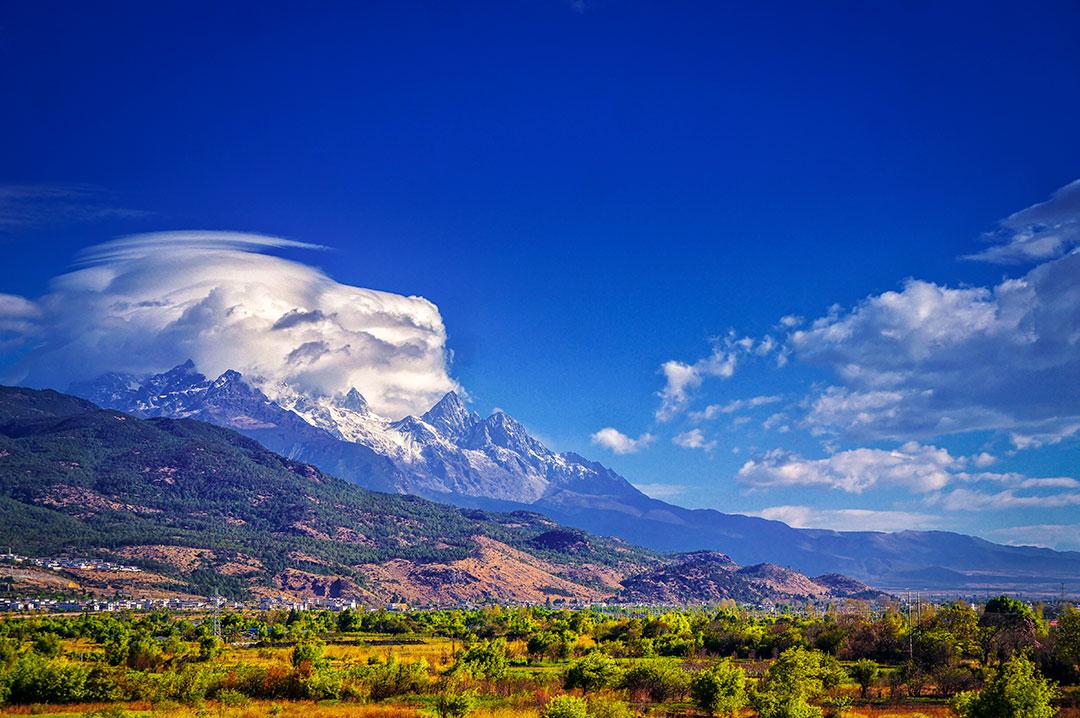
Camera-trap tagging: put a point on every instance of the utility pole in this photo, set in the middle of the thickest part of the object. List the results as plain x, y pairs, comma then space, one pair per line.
215, 615
911, 631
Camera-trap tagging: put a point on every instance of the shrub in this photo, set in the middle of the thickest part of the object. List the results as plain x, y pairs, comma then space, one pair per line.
397, 678
659, 680
47, 644
455, 704
1015, 691
308, 653
565, 707
556, 645
865, 672
721, 688
486, 659
599, 708
209, 647
594, 671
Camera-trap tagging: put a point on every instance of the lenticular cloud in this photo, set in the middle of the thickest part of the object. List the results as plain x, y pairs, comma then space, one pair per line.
148, 302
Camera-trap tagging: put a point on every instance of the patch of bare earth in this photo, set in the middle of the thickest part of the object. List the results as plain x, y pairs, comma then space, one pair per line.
38, 579
302, 557
307, 529
143, 584
182, 558
240, 565
347, 535
302, 584
494, 571
88, 501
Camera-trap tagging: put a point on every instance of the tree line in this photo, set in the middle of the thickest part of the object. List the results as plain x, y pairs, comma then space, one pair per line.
1002, 658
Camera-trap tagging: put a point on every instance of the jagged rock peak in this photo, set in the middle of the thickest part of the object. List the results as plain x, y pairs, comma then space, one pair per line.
185, 373
232, 383
450, 417
417, 429
354, 401
230, 375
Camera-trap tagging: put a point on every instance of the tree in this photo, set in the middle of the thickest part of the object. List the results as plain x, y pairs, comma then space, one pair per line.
721, 688
797, 677
308, 654
552, 644
661, 681
486, 659
1015, 691
47, 644
209, 646
593, 671
865, 672
144, 652
1009, 626
565, 707
1067, 638
961, 622
348, 621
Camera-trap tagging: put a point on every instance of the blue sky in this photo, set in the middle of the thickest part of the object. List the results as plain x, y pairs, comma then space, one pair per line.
588, 191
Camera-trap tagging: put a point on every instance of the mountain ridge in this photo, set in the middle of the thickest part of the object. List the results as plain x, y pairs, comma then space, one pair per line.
454, 455
201, 507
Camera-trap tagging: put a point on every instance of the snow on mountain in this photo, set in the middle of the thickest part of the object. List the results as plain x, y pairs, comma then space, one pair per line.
449, 450
450, 417
453, 455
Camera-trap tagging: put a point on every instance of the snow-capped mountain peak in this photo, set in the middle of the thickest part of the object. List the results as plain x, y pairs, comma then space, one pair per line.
450, 417
354, 401
449, 450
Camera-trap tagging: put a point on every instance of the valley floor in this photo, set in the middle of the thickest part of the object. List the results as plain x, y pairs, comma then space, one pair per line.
510, 663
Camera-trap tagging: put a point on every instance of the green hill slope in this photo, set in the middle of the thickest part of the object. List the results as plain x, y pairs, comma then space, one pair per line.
202, 507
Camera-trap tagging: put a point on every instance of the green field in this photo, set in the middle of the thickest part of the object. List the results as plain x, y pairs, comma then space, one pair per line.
524, 662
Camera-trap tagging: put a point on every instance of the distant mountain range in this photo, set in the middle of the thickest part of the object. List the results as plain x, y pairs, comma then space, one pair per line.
455, 456
201, 508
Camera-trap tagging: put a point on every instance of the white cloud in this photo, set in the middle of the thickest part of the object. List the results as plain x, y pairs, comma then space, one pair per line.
931, 360
916, 467
1033, 437
776, 421
969, 500
1063, 537
849, 519
693, 439
681, 378
713, 410
913, 466
618, 442
1040, 232
149, 302
661, 491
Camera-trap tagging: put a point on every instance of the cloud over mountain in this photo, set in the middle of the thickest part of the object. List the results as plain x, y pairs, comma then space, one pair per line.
147, 302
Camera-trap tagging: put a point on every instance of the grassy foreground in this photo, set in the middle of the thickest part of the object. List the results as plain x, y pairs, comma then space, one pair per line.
535, 662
